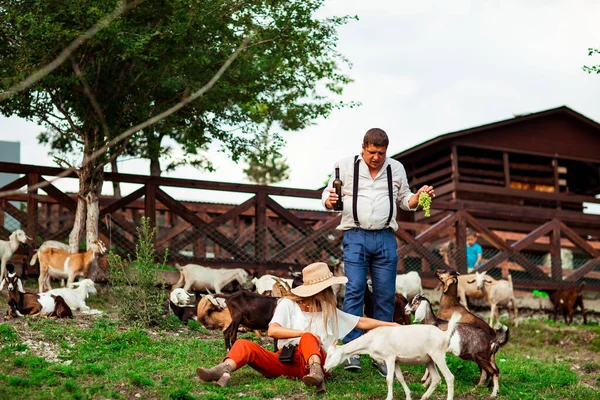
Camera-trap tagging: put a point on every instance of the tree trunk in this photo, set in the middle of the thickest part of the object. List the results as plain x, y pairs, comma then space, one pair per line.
116, 185
78, 224
154, 167
93, 214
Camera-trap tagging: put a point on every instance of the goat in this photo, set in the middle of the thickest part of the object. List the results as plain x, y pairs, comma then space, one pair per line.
409, 284
468, 288
411, 344
249, 309
568, 300
468, 342
498, 294
179, 303
212, 314
281, 287
264, 284
49, 244
23, 303
75, 295
197, 277
449, 305
59, 264
8, 248
400, 317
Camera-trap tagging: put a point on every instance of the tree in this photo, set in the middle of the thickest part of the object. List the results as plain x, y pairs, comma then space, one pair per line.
590, 69
152, 57
266, 165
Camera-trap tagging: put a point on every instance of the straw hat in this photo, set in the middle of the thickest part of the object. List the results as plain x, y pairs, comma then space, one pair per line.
317, 277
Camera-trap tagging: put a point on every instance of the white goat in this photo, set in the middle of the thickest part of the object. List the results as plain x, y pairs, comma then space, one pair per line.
76, 295
406, 344
197, 277
498, 294
264, 283
467, 287
8, 248
181, 298
409, 284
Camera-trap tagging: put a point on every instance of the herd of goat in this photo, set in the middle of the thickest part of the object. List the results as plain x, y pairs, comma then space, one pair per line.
468, 336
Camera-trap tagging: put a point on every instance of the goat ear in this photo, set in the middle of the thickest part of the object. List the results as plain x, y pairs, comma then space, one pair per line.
74, 284
473, 281
486, 281
20, 286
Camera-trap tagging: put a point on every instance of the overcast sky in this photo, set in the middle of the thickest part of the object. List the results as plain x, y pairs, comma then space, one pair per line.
422, 69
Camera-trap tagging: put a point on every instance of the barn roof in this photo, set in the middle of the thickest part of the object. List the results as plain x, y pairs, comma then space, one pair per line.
563, 110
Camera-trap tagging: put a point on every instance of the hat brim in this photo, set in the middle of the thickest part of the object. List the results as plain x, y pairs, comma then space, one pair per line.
311, 290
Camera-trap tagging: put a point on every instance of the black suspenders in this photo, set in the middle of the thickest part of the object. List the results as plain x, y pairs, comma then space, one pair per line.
355, 193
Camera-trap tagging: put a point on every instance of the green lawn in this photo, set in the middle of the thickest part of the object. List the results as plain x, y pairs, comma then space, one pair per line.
100, 357
97, 357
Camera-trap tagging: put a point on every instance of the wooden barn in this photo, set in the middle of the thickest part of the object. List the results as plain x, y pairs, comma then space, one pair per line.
522, 183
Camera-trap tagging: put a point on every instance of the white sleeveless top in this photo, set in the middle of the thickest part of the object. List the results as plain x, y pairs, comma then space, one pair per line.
289, 315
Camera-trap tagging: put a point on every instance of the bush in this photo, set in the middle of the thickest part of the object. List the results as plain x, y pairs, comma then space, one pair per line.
139, 300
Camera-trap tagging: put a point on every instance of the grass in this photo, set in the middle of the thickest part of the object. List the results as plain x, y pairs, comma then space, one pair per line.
98, 357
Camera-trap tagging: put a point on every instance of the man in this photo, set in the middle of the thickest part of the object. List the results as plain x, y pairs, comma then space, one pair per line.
373, 185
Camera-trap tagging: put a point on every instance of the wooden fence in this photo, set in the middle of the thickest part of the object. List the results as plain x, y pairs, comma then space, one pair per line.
261, 234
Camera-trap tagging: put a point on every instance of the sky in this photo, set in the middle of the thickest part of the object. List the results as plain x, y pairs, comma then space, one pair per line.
421, 69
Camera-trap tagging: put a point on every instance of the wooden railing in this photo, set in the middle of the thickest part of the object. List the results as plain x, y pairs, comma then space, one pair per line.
261, 234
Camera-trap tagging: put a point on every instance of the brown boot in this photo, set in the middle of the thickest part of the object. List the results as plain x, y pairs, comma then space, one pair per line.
315, 377
219, 373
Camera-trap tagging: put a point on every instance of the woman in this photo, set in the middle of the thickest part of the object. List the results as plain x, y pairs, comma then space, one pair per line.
308, 319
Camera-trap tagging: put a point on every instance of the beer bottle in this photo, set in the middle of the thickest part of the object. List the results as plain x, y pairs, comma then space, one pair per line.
337, 186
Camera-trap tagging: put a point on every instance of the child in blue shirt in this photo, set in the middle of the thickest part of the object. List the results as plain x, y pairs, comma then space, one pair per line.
474, 251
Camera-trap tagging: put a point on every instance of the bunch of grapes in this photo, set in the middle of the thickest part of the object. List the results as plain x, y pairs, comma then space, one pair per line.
425, 202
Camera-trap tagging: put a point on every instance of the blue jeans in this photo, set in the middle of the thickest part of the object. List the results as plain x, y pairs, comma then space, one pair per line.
377, 251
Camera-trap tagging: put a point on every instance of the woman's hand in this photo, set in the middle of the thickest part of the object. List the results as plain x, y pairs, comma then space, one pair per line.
276, 331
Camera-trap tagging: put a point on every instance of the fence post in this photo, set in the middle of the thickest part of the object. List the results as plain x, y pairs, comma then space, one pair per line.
555, 259
461, 242
32, 214
150, 204
260, 232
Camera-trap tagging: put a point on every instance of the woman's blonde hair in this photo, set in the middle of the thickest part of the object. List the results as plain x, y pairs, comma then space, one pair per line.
324, 301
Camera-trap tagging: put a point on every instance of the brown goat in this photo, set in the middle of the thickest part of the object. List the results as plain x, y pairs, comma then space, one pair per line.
249, 309
449, 303
472, 344
211, 315
23, 303
568, 300
60, 264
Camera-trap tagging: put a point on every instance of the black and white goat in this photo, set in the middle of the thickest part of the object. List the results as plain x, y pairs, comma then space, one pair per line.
182, 305
469, 342
23, 303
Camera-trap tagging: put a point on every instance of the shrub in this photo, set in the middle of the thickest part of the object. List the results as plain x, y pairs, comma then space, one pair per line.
139, 300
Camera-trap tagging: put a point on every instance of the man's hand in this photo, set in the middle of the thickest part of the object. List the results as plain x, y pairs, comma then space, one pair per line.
333, 197
414, 199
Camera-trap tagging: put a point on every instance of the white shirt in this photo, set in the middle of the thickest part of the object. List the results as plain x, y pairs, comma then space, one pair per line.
373, 200
289, 315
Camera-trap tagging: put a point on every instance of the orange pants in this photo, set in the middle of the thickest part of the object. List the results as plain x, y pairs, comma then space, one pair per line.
267, 362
